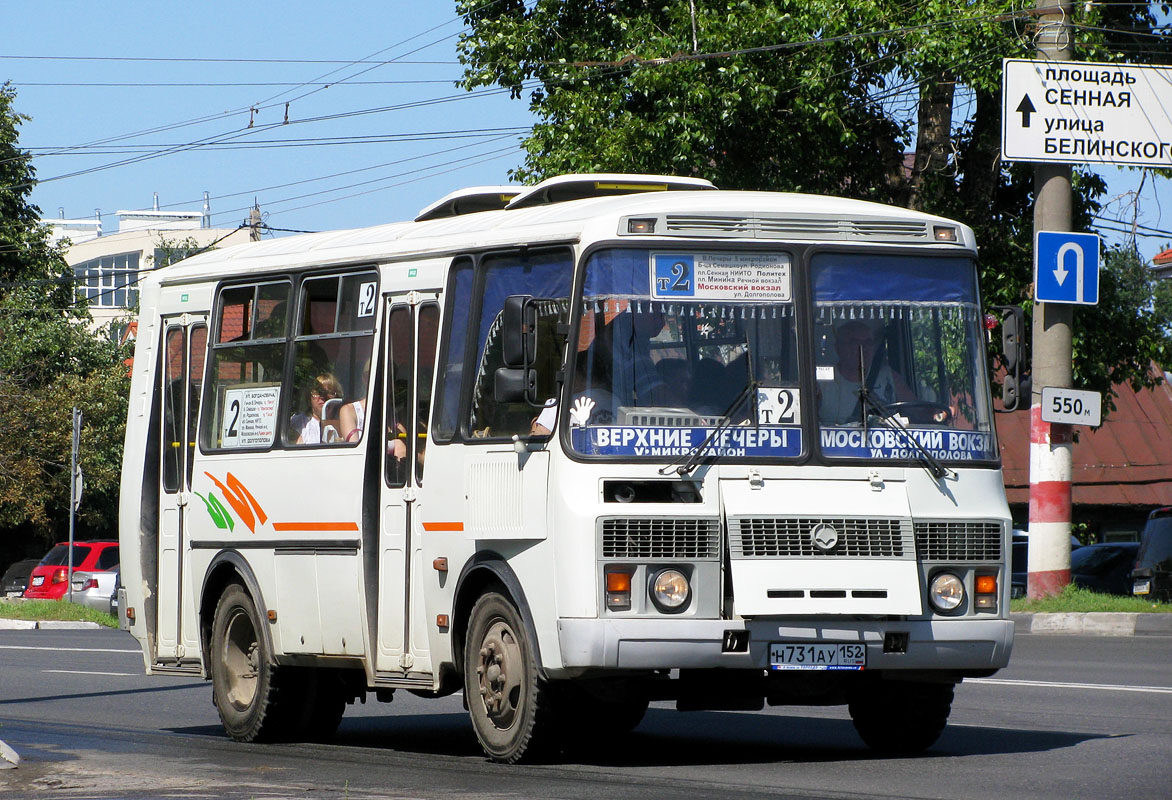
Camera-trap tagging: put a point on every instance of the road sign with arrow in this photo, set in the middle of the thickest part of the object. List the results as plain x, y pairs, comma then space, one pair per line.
1079, 112
1066, 268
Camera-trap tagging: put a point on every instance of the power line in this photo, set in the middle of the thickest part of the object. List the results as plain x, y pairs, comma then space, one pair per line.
217, 84
201, 60
316, 141
454, 164
242, 132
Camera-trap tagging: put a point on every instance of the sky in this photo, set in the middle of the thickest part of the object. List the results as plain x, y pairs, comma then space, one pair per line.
376, 127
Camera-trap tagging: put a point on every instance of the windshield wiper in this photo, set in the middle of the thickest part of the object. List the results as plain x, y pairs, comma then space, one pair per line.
697, 453
924, 458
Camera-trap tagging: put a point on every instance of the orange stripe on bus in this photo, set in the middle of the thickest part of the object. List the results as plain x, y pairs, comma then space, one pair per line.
443, 526
315, 526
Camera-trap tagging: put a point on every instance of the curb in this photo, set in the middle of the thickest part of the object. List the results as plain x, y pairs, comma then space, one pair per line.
1095, 623
56, 625
9, 758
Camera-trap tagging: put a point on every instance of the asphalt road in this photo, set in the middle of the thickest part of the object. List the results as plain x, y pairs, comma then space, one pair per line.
1073, 717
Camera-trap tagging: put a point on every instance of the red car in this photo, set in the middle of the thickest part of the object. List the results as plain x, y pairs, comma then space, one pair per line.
50, 578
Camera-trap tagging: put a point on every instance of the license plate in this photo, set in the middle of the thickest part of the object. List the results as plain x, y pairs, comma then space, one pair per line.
789, 655
1142, 587
15, 594
38, 580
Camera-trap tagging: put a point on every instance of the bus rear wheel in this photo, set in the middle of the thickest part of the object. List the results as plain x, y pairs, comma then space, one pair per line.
901, 717
507, 700
246, 688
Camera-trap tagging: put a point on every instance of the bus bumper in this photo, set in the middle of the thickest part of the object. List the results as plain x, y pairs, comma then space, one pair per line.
953, 644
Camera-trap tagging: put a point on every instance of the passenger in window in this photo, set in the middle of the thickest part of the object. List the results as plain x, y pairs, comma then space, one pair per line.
544, 423
841, 402
352, 416
314, 426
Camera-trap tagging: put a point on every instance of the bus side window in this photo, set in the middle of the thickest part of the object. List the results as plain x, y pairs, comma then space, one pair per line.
247, 364
428, 334
398, 399
332, 351
459, 304
547, 277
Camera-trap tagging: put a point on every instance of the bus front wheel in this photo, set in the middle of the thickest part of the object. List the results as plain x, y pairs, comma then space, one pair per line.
507, 700
901, 717
245, 686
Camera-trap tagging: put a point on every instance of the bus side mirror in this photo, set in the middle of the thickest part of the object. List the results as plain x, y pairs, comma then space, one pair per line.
518, 331
515, 385
1015, 388
516, 381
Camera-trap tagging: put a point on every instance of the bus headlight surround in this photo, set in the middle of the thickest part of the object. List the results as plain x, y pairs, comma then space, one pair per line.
946, 592
670, 590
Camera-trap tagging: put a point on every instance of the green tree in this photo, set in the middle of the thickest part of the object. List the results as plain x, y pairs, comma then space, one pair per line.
50, 361
1129, 307
881, 100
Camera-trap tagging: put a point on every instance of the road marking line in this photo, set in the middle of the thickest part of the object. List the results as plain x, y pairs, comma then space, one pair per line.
86, 672
66, 649
1104, 687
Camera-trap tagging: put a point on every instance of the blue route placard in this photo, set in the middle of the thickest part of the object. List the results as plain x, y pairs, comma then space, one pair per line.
1066, 268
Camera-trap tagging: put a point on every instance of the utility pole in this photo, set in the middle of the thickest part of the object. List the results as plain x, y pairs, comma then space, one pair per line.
254, 221
74, 494
1050, 443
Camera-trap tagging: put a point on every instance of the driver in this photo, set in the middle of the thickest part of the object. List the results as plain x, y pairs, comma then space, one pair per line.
840, 403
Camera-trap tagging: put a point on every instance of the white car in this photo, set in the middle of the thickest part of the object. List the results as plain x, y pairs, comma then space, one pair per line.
94, 589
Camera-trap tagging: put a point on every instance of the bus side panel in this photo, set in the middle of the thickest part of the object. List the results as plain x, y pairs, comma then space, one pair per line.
481, 500
296, 518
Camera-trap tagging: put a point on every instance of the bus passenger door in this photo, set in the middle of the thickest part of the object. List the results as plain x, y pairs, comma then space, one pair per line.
412, 323
184, 348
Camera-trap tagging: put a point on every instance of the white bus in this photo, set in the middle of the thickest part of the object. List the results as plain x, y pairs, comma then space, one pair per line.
571, 449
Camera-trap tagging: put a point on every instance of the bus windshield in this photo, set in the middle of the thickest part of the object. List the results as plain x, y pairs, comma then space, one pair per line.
673, 346
899, 358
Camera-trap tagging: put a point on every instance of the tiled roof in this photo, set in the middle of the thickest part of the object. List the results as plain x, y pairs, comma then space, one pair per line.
1127, 461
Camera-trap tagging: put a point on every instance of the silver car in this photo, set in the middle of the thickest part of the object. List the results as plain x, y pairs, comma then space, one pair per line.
95, 589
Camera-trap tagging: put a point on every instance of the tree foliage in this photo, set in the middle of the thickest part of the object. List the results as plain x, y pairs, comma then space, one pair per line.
50, 362
882, 100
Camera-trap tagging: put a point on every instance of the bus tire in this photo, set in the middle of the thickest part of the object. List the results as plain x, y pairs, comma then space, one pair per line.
901, 717
246, 688
507, 700
325, 703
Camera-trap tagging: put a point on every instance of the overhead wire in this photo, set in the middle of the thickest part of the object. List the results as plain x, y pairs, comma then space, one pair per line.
317, 141
253, 107
617, 66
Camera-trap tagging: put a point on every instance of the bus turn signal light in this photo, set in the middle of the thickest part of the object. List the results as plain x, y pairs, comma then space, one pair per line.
618, 591
986, 586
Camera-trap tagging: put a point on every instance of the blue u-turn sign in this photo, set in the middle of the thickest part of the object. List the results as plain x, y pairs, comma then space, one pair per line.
1066, 268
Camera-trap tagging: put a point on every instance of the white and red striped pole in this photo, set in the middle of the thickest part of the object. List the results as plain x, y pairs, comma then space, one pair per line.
1050, 495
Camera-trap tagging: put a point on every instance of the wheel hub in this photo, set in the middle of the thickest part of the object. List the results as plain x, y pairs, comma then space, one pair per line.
497, 674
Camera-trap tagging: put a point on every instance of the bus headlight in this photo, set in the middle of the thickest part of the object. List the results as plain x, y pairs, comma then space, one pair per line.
946, 592
670, 590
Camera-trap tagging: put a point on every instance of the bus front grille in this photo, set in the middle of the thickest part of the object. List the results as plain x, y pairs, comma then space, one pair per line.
652, 537
756, 537
958, 541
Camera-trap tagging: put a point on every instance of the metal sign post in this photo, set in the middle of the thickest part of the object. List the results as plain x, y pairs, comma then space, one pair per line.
1051, 445
74, 493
